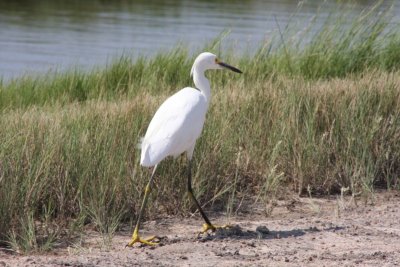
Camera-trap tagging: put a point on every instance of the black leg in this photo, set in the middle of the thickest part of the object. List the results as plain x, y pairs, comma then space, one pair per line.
190, 190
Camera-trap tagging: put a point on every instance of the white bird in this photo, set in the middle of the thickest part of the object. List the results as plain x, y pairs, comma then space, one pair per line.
175, 128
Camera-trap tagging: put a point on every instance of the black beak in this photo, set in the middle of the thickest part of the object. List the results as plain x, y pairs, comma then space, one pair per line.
229, 67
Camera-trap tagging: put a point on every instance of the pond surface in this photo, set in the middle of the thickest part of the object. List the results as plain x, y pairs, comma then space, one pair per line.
41, 35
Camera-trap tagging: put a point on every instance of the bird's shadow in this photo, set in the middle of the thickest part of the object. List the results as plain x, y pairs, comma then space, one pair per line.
261, 232
238, 233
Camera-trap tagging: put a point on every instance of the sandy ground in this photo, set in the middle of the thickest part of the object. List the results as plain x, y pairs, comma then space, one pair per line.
303, 232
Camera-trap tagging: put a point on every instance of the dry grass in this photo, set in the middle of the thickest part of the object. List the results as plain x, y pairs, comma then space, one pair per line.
78, 163
313, 119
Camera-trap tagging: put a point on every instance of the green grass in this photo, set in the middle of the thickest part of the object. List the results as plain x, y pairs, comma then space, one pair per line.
316, 118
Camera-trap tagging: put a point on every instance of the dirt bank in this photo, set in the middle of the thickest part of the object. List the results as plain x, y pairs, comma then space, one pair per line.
303, 232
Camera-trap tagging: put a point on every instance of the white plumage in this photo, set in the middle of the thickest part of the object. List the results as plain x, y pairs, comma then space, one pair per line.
175, 127
179, 121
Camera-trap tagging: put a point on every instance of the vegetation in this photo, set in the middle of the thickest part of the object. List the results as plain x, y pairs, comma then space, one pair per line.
319, 115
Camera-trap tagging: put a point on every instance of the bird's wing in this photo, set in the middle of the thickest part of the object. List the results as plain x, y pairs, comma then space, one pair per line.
175, 126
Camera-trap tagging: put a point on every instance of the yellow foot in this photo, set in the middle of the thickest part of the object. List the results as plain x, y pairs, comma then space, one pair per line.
137, 239
213, 228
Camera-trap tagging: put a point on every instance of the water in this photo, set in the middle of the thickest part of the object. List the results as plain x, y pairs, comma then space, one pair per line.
41, 35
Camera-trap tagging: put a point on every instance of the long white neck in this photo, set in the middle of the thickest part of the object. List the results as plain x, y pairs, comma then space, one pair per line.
201, 82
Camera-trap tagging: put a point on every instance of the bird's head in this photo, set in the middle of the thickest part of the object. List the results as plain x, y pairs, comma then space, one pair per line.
209, 61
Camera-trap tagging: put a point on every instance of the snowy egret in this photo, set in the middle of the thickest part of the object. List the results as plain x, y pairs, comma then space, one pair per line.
175, 128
